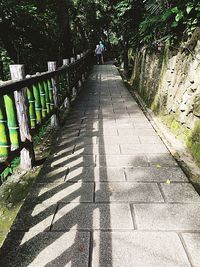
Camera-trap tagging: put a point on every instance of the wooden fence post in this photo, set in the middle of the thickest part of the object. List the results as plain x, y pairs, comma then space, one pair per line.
65, 61
72, 59
67, 99
80, 69
54, 118
27, 156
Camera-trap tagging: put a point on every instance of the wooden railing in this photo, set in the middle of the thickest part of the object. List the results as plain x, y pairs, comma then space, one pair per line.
27, 102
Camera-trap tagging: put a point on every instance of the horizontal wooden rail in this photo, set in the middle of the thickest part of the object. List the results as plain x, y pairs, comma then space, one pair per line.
26, 103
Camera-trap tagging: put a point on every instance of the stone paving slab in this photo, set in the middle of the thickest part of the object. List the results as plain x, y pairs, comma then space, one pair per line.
192, 243
162, 160
81, 140
74, 160
142, 125
138, 118
46, 249
113, 140
137, 160
68, 134
96, 174
63, 149
49, 175
128, 149
92, 216
168, 217
155, 174
138, 249
136, 132
63, 192
101, 132
150, 140
127, 192
181, 192
98, 150
35, 217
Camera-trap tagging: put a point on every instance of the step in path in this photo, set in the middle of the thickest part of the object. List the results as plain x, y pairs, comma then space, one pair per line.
110, 194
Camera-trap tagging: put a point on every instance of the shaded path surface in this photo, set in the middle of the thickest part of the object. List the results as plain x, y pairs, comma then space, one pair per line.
110, 194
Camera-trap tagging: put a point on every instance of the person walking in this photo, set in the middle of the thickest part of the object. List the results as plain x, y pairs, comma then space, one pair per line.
98, 52
103, 49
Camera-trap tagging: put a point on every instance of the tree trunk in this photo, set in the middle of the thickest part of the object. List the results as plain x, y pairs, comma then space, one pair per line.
65, 31
126, 56
7, 41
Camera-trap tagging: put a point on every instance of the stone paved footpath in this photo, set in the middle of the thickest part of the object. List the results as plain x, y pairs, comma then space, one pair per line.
110, 194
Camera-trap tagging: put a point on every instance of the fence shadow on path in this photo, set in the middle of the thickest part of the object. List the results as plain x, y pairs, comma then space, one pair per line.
56, 223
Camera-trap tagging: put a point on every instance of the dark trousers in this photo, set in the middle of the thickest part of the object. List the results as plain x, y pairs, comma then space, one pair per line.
99, 59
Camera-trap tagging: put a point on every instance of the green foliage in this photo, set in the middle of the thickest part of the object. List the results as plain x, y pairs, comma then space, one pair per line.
9, 170
33, 32
6, 62
42, 131
168, 18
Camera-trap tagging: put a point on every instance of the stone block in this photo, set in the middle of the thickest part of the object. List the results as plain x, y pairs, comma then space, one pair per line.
113, 140
180, 192
162, 160
136, 132
150, 140
138, 249
142, 125
52, 175
168, 217
127, 192
64, 192
65, 149
98, 149
75, 160
96, 174
92, 216
129, 149
34, 217
137, 160
46, 249
153, 174
192, 243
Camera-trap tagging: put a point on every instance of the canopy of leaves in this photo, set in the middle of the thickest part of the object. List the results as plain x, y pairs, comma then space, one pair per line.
33, 32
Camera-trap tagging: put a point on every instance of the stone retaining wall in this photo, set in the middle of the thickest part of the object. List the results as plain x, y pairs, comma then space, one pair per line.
169, 82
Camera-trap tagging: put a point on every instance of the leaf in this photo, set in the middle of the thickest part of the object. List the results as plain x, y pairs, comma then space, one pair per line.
167, 15
174, 24
158, 166
189, 8
175, 10
179, 16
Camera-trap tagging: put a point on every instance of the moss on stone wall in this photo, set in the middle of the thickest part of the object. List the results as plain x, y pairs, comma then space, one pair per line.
191, 138
168, 81
193, 142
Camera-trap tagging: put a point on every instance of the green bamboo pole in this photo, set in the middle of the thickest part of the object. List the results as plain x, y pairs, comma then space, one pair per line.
38, 107
45, 85
4, 136
43, 100
50, 88
12, 121
31, 101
